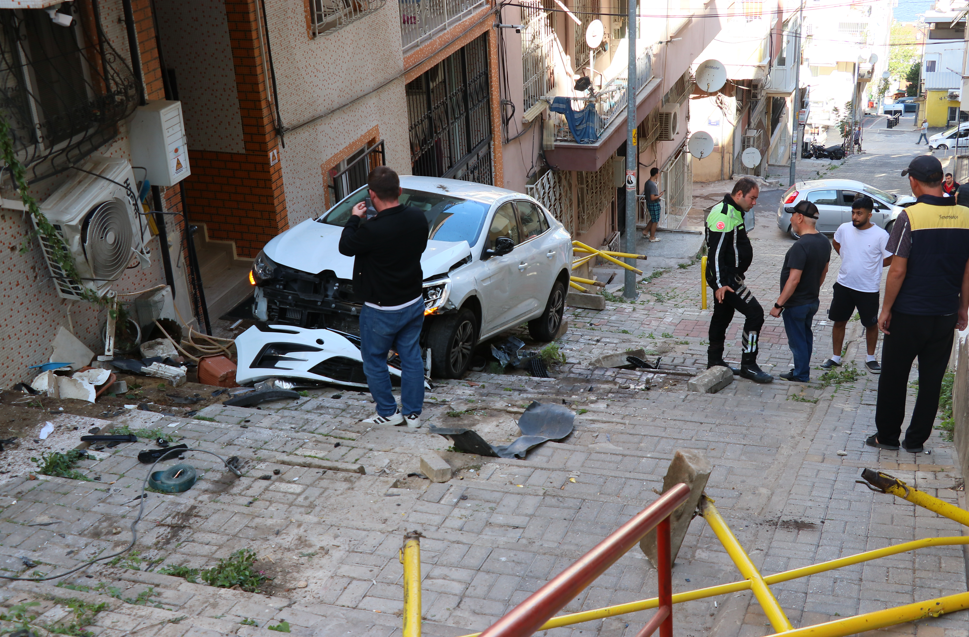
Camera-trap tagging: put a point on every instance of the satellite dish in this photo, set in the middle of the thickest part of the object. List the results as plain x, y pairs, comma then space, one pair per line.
700, 144
593, 35
750, 158
711, 76
874, 59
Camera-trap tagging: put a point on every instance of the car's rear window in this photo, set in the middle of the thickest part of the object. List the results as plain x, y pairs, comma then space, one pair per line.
449, 218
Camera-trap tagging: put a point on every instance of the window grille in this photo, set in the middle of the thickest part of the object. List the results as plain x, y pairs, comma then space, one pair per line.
649, 129
676, 182
556, 191
851, 27
62, 96
448, 108
537, 38
332, 15
679, 91
595, 190
586, 11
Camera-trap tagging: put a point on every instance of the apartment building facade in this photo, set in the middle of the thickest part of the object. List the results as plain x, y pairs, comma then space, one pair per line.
943, 55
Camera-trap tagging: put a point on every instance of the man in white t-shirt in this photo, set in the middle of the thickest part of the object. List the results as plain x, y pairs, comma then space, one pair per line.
861, 245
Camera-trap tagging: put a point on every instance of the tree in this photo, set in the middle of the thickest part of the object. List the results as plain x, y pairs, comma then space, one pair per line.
882, 89
912, 77
902, 50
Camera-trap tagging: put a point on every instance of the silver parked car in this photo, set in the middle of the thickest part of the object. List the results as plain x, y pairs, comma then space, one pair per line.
495, 259
833, 197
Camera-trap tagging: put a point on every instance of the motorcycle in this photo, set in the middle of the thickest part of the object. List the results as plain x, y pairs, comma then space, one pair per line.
817, 151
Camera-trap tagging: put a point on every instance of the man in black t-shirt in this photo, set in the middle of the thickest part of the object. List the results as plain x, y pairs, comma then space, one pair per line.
805, 266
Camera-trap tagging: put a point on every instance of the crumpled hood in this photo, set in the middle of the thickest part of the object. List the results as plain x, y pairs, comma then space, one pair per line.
314, 247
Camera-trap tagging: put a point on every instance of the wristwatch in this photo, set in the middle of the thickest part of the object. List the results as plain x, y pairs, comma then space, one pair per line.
779, 307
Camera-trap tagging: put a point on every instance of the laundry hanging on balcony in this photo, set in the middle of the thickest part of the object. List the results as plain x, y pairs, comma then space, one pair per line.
582, 124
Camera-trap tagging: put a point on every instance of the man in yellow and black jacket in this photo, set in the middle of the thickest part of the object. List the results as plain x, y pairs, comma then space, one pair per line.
926, 300
728, 256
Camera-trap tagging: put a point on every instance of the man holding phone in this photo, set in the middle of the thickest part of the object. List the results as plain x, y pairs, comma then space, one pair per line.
388, 280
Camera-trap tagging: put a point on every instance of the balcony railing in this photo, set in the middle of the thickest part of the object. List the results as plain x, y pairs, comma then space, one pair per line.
423, 20
606, 105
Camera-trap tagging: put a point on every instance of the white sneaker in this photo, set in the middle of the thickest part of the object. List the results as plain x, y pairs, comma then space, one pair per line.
413, 420
393, 419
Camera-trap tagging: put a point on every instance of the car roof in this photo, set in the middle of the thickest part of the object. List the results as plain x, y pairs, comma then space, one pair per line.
456, 188
818, 184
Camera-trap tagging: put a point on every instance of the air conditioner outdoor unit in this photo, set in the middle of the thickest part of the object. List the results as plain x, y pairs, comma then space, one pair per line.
953, 95
757, 90
668, 122
96, 214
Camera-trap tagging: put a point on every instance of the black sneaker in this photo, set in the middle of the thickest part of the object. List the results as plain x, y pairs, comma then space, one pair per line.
828, 364
873, 367
756, 374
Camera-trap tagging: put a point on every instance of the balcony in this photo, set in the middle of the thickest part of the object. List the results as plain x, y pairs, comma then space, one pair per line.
423, 20
781, 80
598, 112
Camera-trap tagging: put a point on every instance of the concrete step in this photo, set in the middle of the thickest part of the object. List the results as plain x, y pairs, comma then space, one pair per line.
225, 278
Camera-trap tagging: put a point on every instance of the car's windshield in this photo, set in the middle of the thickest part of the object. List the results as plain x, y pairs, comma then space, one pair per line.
449, 218
884, 196
949, 132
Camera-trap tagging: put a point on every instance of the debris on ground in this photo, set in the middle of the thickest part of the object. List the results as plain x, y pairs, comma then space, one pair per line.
219, 371
254, 398
540, 423
66, 347
509, 353
161, 347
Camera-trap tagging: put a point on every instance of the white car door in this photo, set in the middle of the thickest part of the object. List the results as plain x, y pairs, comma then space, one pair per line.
829, 209
498, 277
539, 257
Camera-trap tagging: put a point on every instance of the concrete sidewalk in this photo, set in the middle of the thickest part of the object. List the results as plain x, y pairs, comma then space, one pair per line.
329, 526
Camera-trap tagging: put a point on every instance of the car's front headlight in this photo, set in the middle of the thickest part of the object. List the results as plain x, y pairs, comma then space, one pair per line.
436, 294
263, 269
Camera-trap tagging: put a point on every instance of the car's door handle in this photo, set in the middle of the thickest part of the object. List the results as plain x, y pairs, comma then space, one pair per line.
522, 266
550, 254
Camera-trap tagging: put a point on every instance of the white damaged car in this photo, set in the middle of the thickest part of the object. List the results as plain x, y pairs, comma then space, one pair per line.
495, 259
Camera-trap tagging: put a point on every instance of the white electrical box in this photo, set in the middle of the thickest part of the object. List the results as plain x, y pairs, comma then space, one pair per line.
158, 142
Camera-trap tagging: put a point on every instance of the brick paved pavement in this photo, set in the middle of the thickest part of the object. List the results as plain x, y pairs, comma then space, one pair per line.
335, 515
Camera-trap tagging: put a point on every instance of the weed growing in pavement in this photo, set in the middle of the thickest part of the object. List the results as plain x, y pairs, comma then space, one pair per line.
281, 627
20, 614
60, 465
147, 434
130, 561
248, 622
840, 376
624, 332
84, 614
550, 354
613, 298
947, 422
667, 335
205, 418
579, 412
798, 398
650, 335
236, 570
75, 587
655, 274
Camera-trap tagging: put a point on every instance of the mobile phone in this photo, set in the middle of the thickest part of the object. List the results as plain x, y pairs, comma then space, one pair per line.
371, 211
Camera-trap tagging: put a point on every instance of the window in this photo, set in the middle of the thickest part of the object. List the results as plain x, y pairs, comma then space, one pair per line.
533, 219
328, 16
849, 196
537, 39
823, 197
352, 172
504, 224
930, 66
448, 109
63, 93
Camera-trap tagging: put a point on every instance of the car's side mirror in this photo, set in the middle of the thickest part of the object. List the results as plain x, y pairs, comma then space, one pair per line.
503, 245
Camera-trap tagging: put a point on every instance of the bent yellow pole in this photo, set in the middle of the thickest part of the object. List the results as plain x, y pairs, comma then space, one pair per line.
410, 557
890, 484
772, 608
703, 283
589, 281
882, 618
577, 286
611, 253
579, 244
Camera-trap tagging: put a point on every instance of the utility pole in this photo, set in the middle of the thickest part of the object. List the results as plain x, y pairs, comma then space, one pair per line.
632, 158
796, 102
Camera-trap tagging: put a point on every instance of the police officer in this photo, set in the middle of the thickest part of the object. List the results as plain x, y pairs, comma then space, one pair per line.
728, 256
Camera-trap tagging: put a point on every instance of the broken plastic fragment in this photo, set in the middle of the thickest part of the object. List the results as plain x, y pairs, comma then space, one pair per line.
47, 430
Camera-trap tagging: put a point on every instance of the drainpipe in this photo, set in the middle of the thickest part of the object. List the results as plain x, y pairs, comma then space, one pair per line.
135, 51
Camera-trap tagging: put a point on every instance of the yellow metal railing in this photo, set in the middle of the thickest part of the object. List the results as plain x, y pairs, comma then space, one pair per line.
410, 557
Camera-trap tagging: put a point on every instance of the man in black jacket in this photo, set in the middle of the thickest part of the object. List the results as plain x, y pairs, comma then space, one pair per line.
728, 256
388, 280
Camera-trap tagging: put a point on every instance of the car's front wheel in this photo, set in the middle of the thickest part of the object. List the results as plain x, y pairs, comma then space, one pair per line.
452, 339
545, 327
940, 147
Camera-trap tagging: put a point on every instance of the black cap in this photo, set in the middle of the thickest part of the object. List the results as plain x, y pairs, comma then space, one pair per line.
807, 209
924, 168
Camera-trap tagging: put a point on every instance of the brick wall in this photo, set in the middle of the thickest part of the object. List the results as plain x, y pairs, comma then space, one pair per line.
239, 196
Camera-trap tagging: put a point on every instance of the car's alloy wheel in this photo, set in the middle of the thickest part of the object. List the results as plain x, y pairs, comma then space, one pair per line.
940, 147
546, 326
452, 339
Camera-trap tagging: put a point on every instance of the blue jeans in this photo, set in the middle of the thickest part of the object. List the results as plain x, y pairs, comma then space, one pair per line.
800, 338
400, 330
921, 137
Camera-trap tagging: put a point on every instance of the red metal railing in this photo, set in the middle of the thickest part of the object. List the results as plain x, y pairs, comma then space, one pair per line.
528, 617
